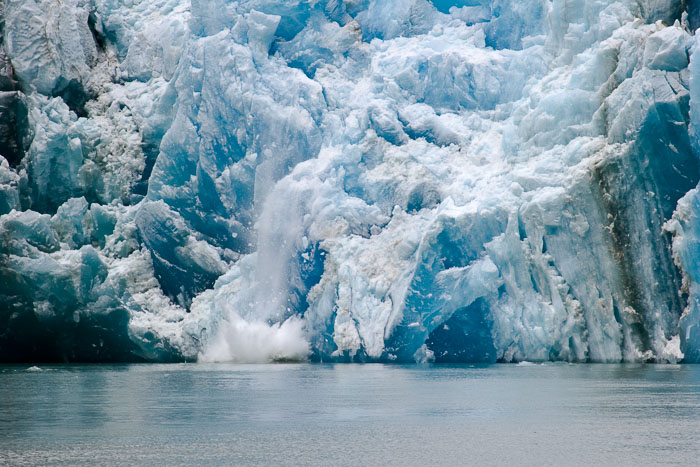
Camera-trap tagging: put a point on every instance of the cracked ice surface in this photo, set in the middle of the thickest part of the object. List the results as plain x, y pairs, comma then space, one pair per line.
390, 180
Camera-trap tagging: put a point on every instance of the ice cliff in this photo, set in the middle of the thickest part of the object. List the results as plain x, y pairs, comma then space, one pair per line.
349, 180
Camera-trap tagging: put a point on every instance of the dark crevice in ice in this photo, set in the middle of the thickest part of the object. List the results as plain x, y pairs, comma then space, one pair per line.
14, 123
655, 11
421, 197
693, 9
57, 316
150, 151
97, 35
311, 266
465, 337
74, 95
97, 338
14, 127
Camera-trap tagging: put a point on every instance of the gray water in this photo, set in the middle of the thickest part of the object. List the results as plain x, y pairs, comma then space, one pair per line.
312, 414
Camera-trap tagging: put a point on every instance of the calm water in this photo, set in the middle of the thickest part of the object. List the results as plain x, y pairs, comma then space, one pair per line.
350, 414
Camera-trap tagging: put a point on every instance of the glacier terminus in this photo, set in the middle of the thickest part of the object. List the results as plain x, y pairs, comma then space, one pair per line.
350, 180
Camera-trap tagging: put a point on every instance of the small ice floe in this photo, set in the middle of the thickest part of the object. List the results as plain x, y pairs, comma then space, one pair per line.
34, 369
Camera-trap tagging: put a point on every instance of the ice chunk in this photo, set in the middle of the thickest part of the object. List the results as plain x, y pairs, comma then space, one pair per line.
68, 222
49, 44
184, 265
9, 188
392, 18
261, 30
668, 49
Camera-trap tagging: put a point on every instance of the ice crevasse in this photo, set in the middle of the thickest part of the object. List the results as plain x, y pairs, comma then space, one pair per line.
350, 180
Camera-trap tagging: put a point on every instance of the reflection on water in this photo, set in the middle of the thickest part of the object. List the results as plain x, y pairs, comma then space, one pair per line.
350, 414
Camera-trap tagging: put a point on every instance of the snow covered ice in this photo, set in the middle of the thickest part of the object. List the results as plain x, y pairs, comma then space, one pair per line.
350, 180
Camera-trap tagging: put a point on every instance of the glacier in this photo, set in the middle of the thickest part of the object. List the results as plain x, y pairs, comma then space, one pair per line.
350, 180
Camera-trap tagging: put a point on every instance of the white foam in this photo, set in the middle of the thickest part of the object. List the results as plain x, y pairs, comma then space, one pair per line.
257, 342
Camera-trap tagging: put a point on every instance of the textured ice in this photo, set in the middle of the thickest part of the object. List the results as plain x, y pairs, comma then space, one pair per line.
365, 180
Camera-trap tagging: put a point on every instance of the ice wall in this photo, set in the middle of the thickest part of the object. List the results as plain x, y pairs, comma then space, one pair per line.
685, 226
396, 180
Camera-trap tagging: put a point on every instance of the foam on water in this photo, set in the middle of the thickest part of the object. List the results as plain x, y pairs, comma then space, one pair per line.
244, 341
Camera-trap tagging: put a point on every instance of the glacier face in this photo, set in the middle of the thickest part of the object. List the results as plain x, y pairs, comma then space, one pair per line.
349, 180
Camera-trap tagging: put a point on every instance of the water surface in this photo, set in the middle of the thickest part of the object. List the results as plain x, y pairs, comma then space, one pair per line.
350, 414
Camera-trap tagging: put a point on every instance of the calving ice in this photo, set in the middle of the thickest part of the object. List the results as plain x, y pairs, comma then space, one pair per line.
350, 180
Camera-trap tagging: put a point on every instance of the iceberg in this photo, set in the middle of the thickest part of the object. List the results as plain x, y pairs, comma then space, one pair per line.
349, 180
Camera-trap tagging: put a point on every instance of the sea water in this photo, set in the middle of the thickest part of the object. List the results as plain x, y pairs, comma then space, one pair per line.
311, 414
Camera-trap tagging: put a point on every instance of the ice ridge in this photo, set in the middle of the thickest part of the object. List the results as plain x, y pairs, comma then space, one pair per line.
349, 180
